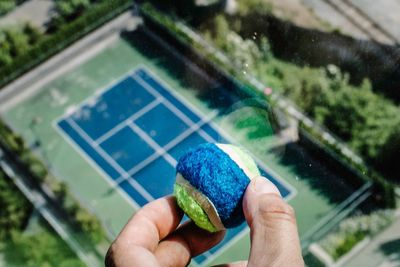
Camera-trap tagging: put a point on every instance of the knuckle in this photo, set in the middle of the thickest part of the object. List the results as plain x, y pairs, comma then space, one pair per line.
273, 206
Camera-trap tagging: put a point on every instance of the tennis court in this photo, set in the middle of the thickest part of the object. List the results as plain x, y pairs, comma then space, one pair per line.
134, 131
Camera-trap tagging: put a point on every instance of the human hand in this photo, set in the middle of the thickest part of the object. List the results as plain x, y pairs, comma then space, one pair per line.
152, 236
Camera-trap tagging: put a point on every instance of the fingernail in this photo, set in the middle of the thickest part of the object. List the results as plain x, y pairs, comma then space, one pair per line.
262, 185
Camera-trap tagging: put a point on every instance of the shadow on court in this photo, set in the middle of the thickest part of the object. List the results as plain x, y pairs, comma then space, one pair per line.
320, 178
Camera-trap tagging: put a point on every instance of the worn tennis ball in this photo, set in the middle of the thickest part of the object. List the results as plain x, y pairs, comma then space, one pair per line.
210, 183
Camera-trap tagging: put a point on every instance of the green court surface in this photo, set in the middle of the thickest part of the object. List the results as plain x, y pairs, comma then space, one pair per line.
318, 191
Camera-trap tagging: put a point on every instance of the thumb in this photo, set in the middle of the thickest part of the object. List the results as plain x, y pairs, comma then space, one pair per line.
273, 229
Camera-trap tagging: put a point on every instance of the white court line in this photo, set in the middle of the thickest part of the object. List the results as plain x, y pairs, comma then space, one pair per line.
92, 163
192, 129
167, 86
168, 146
177, 96
95, 144
153, 144
171, 107
96, 94
143, 164
108, 158
122, 124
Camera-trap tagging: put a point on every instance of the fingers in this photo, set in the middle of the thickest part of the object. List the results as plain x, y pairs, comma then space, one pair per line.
274, 235
186, 242
139, 243
144, 231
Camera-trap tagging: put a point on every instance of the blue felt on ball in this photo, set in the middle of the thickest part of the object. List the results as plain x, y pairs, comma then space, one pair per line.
221, 173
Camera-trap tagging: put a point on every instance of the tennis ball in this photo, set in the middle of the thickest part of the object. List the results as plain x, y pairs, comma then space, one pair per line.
210, 183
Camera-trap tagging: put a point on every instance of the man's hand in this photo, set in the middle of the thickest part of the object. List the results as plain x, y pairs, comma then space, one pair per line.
152, 236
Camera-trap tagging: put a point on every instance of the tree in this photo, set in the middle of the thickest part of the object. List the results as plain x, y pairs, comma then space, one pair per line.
43, 248
246, 7
19, 42
70, 9
89, 224
6, 6
15, 209
34, 35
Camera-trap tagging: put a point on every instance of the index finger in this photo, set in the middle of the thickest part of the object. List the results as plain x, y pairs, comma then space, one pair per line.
151, 223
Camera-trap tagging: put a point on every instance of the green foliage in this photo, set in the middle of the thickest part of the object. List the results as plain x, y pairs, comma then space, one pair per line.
366, 121
33, 34
246, 7
13, 141
347, 243
64, 35
43, 248
69, 9
34, 164
16, 144
6, 6
88, 223
15, 209
16, 41
60, 190
82, 219
354, 229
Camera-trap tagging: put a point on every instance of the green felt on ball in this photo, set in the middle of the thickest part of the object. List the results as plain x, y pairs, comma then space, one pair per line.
210, 183
193, 209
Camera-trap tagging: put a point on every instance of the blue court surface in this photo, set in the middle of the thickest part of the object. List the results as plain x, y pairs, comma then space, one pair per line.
135, 130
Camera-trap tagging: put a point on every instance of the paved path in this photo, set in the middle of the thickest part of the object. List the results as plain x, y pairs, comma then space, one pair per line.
382, 251
36, 12
385, 13
362, 19
334, 18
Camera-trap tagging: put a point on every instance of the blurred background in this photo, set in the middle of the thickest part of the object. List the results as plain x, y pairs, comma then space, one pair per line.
99, 98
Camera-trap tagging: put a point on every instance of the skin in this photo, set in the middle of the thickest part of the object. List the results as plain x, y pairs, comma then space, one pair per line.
153, 237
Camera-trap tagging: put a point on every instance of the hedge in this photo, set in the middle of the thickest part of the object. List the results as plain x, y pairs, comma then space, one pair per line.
94, 17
